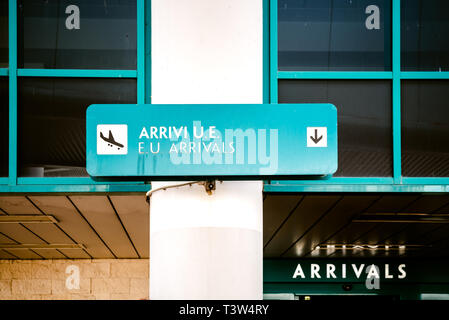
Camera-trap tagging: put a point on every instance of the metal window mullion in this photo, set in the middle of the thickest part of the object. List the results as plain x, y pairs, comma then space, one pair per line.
266, 51
140, 51
396, 92
425, 75
12, 39
273, 51
77, 73
335, 75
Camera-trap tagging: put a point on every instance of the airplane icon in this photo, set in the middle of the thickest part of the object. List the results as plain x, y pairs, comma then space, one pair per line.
111, 141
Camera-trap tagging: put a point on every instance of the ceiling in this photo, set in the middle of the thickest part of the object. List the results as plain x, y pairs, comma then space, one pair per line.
109, 226
295, 225
319, 225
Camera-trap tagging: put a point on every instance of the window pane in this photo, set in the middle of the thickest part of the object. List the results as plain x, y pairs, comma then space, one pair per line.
52, 121
105, 37
424, 35
4, 126
425, 128
364, 121
335, 35
4, 34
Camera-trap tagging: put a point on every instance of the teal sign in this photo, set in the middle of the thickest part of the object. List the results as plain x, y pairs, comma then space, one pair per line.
237, 140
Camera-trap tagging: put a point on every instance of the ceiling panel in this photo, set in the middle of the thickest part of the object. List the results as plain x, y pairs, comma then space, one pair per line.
392, 203
428, 204
412, 233
6, 255
434, 236
438, 248
294, 224
73, 224
442, 245
102, 217
336, 219
6, 240
350, 233
21, 235
27, 254
21, 254
444, 209
380, 233
19, 205
305, 215
134, 213
275, 210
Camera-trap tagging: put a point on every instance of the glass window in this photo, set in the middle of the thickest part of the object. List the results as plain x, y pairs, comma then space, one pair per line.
4, 126
80, 34
4, 34
364, 121
424, 35
52, 121
425, 128
336, 35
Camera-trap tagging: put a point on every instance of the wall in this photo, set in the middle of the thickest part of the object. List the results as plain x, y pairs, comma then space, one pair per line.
99, 279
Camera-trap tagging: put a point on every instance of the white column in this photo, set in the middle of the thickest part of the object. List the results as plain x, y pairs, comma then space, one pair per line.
201, 246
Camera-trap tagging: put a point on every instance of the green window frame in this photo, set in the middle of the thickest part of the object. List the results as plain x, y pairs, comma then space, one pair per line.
271, 76
13, 183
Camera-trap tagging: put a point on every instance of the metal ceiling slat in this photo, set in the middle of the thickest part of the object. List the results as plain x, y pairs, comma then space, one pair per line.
134, 213
21, 254
72, 224
20, 234
275, 210
100, 214
339, 216
310, 209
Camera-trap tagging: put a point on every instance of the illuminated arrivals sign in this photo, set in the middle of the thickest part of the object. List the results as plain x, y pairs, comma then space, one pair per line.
356, 270
211, 140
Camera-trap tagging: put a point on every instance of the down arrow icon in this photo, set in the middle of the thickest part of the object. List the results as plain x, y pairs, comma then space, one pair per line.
316, 139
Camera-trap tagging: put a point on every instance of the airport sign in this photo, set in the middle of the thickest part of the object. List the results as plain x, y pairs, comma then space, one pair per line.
235, 140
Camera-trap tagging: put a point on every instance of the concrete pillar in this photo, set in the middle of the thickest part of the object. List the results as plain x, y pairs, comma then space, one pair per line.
201, 246
206, 246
